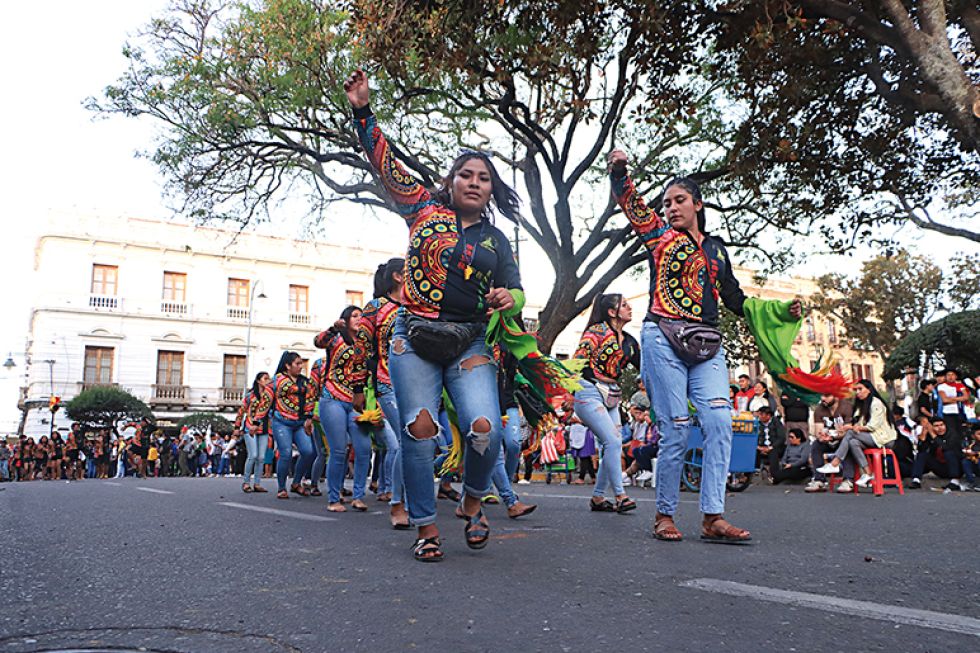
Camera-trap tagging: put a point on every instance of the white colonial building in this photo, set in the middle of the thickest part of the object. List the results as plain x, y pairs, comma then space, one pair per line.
182, 316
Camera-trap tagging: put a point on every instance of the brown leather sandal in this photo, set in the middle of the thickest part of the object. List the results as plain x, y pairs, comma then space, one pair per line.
716, 529
665, 529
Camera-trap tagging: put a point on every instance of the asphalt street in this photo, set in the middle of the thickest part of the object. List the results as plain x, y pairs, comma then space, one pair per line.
195, 565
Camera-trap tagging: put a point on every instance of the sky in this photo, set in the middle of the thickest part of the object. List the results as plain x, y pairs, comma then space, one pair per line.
59, 158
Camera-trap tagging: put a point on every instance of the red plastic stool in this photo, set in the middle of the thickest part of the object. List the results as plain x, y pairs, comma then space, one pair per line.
879, 483
833, 480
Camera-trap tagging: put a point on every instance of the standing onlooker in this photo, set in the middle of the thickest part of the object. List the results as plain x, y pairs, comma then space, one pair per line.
5, 455
829, 418
925, 403
796, 414
744, 393
152, 456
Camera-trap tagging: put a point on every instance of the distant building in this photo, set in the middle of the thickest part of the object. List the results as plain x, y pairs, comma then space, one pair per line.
179, 315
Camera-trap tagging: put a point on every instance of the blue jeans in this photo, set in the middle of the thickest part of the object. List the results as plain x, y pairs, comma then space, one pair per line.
4, 470
256, 446
90, 468
319, 458
510, 456
393, 454
604, 424
473, 391
337, 420
288, 432
670, 383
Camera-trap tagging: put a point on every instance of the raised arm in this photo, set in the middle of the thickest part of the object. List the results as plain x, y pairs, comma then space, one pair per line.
408, 193
647, 224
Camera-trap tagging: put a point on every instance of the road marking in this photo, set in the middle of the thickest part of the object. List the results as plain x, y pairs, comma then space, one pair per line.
579, 496
111, 483
154, 491
275, 511
891, 613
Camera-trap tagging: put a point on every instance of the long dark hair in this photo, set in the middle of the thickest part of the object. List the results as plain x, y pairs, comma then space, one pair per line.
601, 307
503, 197
345, 316
862, 409
286, 359
256, 386
694, 191
384, 277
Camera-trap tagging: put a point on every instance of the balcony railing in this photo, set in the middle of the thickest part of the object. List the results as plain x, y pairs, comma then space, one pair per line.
230, 396
174, 308
300, 318
169, 394
237, 312
104, 302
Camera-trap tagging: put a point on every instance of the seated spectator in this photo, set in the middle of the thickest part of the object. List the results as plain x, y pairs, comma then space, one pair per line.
794, 464
772, 439
645, 443
929, 456
873, 427
829, 417
971, 459
904, 447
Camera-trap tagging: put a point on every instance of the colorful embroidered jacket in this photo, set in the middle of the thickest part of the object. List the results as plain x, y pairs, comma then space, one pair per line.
374, 334
439, 282
342, 371
605, 355
246, 415
680, 270
283, 396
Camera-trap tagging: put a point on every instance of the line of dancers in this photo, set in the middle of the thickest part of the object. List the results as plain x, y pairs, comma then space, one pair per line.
425, 349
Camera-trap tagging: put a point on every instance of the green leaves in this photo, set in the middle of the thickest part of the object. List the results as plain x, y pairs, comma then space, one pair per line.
106, 407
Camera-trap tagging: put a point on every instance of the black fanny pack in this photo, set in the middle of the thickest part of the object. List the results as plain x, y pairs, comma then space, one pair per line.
693, 342
441, 342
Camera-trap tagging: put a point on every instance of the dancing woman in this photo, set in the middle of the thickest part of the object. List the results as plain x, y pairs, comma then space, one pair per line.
374, 338
288, 404
338, 379
459, 269
256, 434
607, 350
682, 356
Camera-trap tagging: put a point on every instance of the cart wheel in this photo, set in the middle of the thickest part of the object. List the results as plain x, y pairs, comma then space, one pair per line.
738, 482
691, 472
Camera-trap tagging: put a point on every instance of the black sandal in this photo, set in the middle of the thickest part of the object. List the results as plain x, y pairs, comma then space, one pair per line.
624, 505
450, 494
602, 506
428, 549
477, 533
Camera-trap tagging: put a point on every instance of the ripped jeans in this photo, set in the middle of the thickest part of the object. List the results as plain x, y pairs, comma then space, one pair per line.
670, 382
418, 387
604, 424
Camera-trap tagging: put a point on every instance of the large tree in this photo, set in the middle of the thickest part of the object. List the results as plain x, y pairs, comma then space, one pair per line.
250, 100
105, 407
871, 108
895, 295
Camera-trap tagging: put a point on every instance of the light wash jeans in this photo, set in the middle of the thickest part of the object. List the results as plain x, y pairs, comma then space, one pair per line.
4, 470
418, 386
393, 454
256, 446
670, 382
121, 466
510, 456
605, 426
288, 432
337, 420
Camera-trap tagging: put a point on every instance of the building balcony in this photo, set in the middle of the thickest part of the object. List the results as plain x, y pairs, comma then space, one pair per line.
88, 385
237, 312
179, 309
300, 318
170, 394
105, 302
230, 397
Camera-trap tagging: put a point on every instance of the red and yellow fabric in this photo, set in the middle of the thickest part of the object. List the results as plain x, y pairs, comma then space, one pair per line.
284, 397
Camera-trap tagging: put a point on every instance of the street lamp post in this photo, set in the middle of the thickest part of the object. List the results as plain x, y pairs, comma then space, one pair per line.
53, 407
248, 334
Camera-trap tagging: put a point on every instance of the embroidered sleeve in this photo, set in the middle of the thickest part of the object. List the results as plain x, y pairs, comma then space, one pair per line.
587, 345
647, 224
265, 401
318, 376
242, 410
408, 193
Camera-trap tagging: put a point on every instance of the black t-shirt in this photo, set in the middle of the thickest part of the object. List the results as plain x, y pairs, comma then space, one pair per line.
492, 266
796, 410
926, 401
